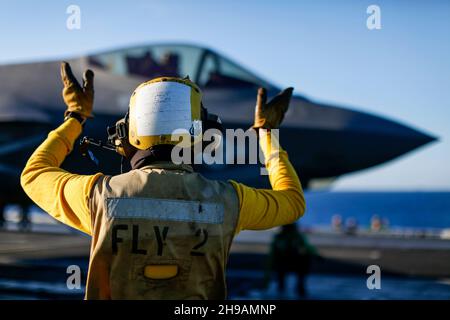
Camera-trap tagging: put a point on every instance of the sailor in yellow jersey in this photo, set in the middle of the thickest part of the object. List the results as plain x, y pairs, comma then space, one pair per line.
159, 231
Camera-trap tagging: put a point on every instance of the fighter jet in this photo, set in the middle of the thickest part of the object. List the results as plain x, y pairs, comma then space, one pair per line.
323, 141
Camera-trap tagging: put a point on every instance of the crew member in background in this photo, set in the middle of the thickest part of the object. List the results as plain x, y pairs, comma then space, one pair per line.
159, 231
290, 252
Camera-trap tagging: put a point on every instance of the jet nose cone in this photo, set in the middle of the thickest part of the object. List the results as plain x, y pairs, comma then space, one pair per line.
398, 139
418, 138
391, 134
392, 138
334, 140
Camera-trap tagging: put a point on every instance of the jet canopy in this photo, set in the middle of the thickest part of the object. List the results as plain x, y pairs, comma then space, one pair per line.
205, 67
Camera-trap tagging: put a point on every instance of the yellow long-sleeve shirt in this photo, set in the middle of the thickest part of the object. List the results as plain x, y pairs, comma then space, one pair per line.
263, 208
65, 195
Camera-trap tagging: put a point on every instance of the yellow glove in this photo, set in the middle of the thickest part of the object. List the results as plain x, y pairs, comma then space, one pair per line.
78, 99
270, 115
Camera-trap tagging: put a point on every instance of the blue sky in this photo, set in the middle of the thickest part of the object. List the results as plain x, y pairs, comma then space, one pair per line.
322, 48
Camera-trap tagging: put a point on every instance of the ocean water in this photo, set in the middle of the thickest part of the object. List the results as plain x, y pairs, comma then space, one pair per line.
418, 210
415, 210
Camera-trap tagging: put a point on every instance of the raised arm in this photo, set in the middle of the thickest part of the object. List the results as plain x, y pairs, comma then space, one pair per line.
58, 192
262, 208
